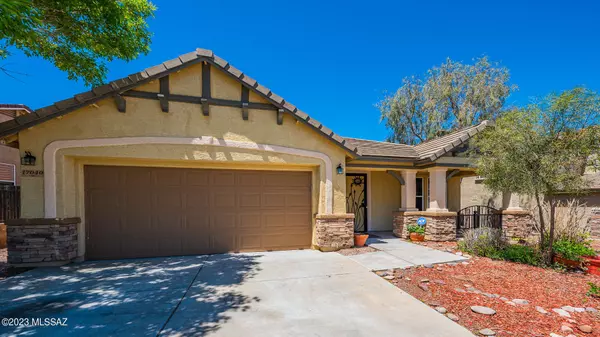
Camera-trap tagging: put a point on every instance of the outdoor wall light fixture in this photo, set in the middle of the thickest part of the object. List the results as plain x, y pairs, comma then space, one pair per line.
28, 159
340, 169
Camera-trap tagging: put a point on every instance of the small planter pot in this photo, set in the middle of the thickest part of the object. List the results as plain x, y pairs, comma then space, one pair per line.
566, 262
417, 237
593, 264
360, 239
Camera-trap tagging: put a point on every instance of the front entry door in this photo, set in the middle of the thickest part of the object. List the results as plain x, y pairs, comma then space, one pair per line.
356, 199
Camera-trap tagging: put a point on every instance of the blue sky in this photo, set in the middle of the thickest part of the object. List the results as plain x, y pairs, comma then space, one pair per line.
336, 59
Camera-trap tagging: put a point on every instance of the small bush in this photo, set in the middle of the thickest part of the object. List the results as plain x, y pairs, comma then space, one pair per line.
522, 254
483, 241
573, 249
490, 242
416, 229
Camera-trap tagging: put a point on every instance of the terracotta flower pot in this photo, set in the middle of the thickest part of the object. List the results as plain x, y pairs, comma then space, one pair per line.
593, 264
566, 262
360, 239
417, 237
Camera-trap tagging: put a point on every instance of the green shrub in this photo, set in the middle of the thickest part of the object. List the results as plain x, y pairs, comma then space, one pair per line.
416, 229
490, 242
521, 254
573, 249
483, 241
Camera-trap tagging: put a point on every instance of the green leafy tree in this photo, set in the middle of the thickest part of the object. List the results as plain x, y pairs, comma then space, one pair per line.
451, 96
542, 150
77, 36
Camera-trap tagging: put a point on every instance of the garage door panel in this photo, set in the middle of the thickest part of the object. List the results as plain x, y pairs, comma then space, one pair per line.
249, 220
223, 198
286, 179
197, 197
144, 212
197, 178
274, 199
250, 242
166, 177
250, 199
223, 242
223, 221
222, 178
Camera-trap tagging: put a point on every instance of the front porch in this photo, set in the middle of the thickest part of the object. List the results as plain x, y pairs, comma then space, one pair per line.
390, 200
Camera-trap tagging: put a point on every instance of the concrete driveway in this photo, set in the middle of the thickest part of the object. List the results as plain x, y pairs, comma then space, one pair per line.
293, 293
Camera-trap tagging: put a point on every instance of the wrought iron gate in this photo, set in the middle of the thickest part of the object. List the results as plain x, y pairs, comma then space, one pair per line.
356, 200
477, 216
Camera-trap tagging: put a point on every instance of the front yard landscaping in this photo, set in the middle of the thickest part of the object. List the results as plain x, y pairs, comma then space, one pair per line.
524, 300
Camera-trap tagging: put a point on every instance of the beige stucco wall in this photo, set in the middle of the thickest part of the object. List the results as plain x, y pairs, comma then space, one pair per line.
385, 199
145, 118
453, 201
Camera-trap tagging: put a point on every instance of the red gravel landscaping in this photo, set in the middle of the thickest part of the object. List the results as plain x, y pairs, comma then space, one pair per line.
546, 288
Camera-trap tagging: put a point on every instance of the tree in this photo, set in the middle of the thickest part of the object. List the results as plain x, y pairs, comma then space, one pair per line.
77, 36
451, 96
542, 150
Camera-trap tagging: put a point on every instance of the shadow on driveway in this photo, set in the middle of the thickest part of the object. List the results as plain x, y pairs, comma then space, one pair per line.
129, 297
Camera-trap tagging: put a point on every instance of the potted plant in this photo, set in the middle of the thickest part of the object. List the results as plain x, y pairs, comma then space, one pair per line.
360, 239
572, 253
417, 233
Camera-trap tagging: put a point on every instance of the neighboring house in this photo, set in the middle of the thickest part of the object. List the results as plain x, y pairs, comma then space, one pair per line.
10, 159
193, 156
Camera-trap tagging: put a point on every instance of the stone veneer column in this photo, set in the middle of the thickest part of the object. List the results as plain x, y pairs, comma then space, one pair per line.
517, 223
334, 231
41, 242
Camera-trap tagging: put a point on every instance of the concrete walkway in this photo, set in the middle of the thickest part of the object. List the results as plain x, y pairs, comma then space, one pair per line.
396, 253
292, 293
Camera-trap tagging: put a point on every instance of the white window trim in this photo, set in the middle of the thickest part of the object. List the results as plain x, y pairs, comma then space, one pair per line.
50, 202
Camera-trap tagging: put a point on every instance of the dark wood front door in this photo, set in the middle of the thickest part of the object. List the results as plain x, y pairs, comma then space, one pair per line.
149, 211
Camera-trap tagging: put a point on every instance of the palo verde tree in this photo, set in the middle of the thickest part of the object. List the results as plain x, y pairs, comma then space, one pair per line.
449, 97
542, 150
77, 36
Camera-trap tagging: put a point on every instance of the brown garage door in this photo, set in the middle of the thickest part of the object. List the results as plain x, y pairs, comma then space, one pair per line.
144, 212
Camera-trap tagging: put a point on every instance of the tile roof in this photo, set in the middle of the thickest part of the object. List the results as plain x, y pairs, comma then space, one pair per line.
428, 150
127, 83
437, 147
383, 149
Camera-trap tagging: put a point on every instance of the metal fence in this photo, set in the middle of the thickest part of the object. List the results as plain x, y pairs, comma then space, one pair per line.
477, 216
10, 202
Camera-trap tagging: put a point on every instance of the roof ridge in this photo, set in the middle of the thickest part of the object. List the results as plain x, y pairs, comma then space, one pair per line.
378, 141
448, 134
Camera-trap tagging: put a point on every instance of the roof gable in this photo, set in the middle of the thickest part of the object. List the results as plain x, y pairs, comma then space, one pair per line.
120, 86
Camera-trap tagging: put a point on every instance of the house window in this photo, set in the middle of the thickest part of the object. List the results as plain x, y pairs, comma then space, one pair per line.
419, 194
428, 192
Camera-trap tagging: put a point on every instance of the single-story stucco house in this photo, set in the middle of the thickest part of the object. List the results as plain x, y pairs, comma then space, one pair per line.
193, 156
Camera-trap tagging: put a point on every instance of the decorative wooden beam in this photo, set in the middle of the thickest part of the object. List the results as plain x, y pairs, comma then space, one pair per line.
164, 93
199, 100
451, 174
206, 88
279, 116
120, 102
396, 175
245, 102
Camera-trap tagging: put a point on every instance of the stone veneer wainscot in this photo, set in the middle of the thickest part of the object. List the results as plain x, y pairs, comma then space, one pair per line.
334, 231
41, 242
441, 226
